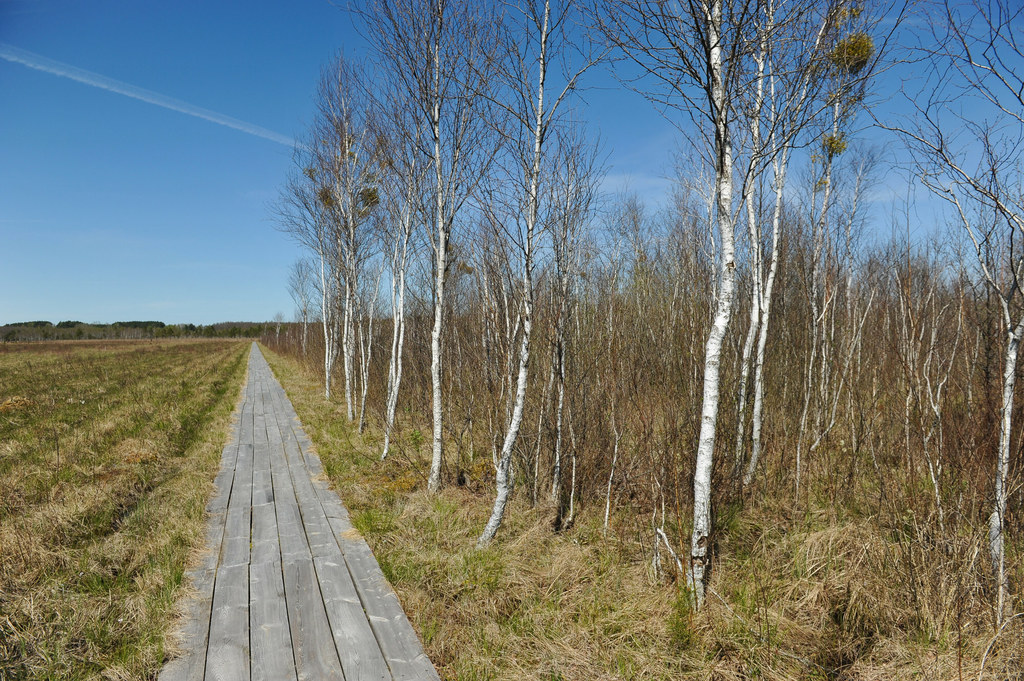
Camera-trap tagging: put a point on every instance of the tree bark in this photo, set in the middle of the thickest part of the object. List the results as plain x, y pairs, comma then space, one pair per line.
700, 539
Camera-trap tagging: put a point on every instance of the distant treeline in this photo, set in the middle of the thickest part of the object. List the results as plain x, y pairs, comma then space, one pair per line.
75, 330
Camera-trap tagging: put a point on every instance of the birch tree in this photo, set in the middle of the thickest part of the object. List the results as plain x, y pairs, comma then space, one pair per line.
304, 213
691, 56
300, 281
366, 316
928, 313
346, 158
782, 102
975, 163
575, 175
436, 54
536, 40
402, 181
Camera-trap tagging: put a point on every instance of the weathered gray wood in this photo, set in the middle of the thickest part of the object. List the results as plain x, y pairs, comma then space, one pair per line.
266, 547
361, 657
287, 589
262, 486
245, 423
227, 657
237, 541
270, 637
394, 633
316, 658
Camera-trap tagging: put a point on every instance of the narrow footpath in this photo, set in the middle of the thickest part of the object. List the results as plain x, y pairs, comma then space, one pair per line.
287, 589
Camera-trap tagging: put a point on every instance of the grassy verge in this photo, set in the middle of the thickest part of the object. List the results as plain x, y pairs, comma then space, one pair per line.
826, 592
107, 451
535, 605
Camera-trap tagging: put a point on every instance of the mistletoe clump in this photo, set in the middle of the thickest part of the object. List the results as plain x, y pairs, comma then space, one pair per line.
852, 53
833, 145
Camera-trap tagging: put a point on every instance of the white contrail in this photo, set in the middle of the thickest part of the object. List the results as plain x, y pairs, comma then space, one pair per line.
34, 61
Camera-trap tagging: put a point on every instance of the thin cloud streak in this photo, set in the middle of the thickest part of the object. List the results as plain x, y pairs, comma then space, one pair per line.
56, 68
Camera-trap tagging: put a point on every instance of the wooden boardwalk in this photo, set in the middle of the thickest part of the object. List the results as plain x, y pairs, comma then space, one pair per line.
287, 588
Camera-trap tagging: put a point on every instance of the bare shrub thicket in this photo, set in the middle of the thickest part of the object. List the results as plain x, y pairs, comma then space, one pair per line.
857, 429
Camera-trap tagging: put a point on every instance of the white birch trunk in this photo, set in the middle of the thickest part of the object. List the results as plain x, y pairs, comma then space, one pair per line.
503, 482
434, 482
399, 260
611, 473
366, 349
996, 521
305, 330
441, 267
754, 236
556, 476
328, 320
348, 347
756, 418
723, 311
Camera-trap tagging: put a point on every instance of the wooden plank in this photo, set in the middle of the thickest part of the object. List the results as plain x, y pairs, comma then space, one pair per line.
227, 657
243, 466
289, 521
333, 508
316, 657
374, 591
319, 536
328, 531
361, 656
266, 545
397, 639
274, 431
214, 539
270, 636
261, 457
335, 581
237, 539
245, 423
262, 486
222, 483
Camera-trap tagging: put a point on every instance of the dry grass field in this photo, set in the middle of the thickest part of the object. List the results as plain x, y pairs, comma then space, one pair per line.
108, 450
827, 592
107, 455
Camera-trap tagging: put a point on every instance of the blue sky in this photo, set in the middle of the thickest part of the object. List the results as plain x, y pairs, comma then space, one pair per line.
113, 208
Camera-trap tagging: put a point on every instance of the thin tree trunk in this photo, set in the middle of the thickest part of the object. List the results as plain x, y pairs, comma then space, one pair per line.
397, 338
348, 347
540, 429
556, 476
723, 312
366, 349
441, 265
754, 236
328, 321
611, 474
434, 482
756, 418
503, 483
996, 521
305, 329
